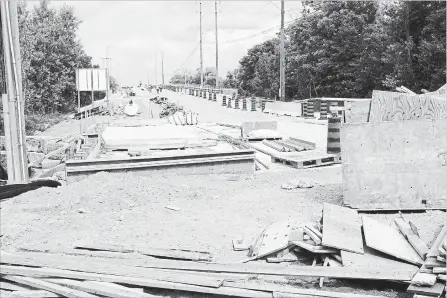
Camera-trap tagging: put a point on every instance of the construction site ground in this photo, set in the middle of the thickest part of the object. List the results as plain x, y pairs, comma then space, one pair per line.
214, 209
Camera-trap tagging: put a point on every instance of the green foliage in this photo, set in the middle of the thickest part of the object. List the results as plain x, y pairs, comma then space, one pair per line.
349, 48
50, 54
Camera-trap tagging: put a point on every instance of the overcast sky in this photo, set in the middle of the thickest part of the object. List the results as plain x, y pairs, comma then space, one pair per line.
138, 31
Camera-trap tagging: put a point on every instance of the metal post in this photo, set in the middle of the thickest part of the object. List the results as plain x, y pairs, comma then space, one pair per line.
13, 79
201, 48
217, 47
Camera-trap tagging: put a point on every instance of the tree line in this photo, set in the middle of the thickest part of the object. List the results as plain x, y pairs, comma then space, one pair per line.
51, 52
348, 49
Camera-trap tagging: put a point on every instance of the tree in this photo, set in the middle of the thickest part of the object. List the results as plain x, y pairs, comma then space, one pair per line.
350, 48
51, 53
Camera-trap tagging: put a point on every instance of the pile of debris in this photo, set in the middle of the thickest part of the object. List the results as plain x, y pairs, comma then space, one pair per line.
159, 100
169, 108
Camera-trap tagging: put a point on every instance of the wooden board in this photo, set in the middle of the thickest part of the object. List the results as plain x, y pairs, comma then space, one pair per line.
372, 259
151, 283
394, 164
83, 264
357, 112
342, 228
5, 285
276, 238
32, 294
394, 106
388, 240
98, 288
433, 252
47, 286
181, 254
115, 267
272, 287
434, 291
414, 240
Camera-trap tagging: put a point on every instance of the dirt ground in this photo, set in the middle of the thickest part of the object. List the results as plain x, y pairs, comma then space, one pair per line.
215, 209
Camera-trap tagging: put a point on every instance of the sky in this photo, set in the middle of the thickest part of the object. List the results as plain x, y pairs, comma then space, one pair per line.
136, 34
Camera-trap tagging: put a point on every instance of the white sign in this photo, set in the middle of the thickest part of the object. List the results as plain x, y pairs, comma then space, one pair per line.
93, 79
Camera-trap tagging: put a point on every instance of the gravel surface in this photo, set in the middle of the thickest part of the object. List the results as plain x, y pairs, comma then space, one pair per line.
131, 209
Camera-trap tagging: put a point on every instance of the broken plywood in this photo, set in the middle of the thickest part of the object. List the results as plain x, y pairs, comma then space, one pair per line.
342, 228
275, 238
394, 106
394, 164
388, 240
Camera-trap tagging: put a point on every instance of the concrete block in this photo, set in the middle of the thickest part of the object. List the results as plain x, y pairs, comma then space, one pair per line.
60, 153
49, 163
35, 159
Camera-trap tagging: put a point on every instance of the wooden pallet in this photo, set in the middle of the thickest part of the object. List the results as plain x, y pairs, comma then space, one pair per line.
306, 159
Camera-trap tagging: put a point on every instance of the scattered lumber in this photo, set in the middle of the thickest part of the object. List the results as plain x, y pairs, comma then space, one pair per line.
181, 254
113, 267
53, 288
100, 288
430, 279
32, 294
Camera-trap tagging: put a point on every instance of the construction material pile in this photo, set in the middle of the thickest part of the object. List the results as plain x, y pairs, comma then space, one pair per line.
169, 108
159, 99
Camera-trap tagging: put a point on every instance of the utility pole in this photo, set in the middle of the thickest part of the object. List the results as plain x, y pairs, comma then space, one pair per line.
201, 49
217, 47
13, 101
162, 71
156, 81
282, 58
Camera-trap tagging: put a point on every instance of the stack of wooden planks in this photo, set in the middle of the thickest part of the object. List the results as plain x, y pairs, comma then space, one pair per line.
431, 278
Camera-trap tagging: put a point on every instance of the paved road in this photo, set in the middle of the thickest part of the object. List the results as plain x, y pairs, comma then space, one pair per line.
210, 111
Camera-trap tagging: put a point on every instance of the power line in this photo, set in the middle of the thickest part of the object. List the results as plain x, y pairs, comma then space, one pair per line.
187, 59
254, 35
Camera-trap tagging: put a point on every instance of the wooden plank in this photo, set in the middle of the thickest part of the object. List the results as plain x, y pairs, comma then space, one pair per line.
40, 284
414, 240
276, 238
373, 259
98, 288
380, 169
433, 252
33, 294
111, 267
424, 279
394, 106
315, 248
5, 285
325, 263
388, 240
144, 282
181, 254
312, 235
434, 291
314, 230
342, 228
274, 287
81, 264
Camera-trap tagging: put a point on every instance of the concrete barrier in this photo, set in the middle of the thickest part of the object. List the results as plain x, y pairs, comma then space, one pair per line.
283, 108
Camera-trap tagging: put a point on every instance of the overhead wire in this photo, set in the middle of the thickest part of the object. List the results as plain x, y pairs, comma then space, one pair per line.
187, 59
